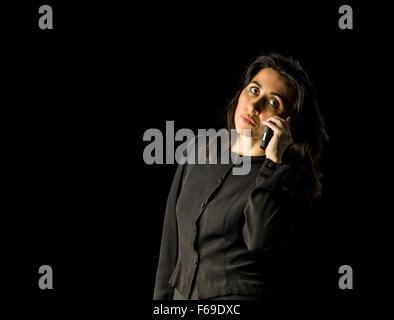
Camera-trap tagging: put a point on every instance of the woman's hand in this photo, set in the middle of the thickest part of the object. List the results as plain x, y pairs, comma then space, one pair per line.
281, 138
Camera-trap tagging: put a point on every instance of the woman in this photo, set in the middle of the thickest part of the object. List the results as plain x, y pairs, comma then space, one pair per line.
223, 233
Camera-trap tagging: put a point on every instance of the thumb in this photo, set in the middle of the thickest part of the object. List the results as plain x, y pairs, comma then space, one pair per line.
288, 119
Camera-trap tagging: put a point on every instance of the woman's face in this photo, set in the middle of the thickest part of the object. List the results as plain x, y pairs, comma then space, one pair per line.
267, 95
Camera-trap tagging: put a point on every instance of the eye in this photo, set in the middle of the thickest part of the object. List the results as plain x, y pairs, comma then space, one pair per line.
273, 103
254, 90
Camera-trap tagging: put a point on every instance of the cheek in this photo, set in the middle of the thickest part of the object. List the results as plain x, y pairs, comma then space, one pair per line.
242, 102
237, 111
240, 107
264, 116
237, 119
268, 113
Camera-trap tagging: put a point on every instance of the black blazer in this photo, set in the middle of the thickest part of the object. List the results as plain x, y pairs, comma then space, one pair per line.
223, 231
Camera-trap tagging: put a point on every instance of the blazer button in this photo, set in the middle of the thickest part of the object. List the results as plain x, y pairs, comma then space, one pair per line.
203, 205
220, 181
195, 260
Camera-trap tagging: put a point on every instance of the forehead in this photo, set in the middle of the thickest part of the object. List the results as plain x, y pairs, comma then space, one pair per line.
273, 82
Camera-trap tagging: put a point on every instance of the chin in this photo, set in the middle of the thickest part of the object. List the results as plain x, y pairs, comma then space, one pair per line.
246, 131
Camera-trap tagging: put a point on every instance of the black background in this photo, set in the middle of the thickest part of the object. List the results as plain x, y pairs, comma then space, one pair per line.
78, 195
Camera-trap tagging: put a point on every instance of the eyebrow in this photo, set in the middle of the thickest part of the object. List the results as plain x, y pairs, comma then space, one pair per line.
260, 86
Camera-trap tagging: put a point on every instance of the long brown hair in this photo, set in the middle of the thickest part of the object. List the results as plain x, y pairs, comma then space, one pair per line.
307, 124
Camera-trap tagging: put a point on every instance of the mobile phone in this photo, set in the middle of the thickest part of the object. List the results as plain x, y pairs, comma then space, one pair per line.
267, 135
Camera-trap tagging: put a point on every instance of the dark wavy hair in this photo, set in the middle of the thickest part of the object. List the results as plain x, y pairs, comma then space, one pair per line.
307, 123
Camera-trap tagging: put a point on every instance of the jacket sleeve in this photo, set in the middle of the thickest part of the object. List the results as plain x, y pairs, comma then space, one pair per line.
281, 192
169, 241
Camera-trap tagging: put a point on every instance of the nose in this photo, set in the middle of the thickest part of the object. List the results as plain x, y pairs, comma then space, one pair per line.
255, 108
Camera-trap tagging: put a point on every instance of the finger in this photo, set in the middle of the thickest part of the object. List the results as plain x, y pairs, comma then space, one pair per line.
279, 122
284, 123
271, 125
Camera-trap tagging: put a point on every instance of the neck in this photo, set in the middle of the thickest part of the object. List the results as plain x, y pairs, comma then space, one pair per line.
247, 146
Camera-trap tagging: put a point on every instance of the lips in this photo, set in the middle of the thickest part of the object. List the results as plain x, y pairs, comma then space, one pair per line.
248, 120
